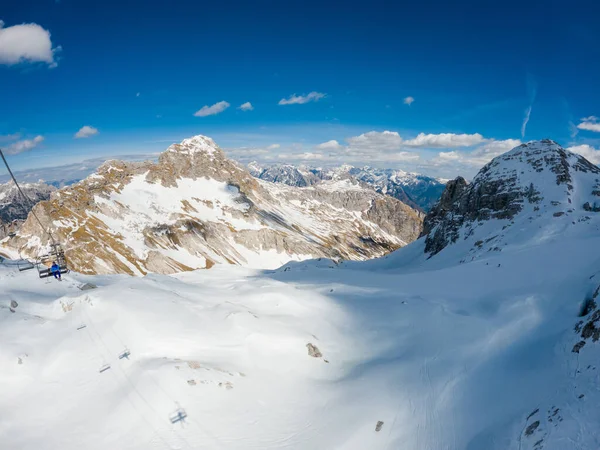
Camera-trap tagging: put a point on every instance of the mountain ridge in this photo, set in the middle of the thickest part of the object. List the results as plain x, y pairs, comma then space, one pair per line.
195, 207
417, 191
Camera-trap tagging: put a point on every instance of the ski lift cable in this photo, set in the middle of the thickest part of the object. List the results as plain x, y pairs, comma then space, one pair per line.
27, 199
148, 423
133, 386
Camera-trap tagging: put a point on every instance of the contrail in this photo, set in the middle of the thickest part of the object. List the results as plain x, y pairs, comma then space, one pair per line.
532, 91
525, 120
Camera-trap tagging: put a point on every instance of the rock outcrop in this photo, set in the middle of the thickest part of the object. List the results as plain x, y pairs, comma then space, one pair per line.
535, 181
14, 208
195, 208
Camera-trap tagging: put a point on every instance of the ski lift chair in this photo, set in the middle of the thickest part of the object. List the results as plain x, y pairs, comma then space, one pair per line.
24, 264
178, 416
44, 263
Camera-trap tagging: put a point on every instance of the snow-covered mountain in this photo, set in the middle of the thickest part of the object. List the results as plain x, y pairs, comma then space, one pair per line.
418, 191
14, 209
195, 208
449, 343
535, 186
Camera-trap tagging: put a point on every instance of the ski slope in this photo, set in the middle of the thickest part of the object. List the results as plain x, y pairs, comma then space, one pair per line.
447, 356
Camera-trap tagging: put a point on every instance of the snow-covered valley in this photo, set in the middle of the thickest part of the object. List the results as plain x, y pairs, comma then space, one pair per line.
481, 343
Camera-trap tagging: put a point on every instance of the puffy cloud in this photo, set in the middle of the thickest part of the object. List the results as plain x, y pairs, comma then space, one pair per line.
480, 156
445, 140
409, 100
449, 156
24, 145
375, 140
26, 43
301, 99
86, 132
246, 106
591, 123
330, 145
273, 146
587, 151
212, 110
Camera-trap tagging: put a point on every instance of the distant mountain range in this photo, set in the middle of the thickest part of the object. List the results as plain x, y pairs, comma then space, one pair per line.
418, 191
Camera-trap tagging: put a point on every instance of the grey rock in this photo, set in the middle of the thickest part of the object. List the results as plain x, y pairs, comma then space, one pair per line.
497, 192
313, 351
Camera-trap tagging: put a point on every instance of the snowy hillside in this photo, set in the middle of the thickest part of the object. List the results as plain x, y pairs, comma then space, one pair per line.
196, 208
418, 191
497, 352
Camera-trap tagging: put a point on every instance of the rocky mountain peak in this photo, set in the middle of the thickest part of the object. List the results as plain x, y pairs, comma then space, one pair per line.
196, 144
536, 181
196, 207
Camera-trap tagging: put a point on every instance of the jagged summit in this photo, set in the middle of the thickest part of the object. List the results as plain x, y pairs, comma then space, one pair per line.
196, 144
536, 189
195, 207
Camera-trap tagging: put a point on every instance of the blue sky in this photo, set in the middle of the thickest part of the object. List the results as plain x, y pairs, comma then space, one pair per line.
135, 73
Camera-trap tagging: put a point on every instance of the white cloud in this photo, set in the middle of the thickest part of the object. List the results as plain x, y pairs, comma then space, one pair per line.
212, 110
409, 100
330, 145
445, 140
587, 151
591, 123
24, 145
480, 156
375, 140
449, 156
301, 99
306, 156
246, 106
26, 43
273, 146
86, 132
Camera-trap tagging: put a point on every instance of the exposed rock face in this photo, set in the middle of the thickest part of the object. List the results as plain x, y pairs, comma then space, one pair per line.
537, 180
417, 191
195, 208
14, 209
280, 173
